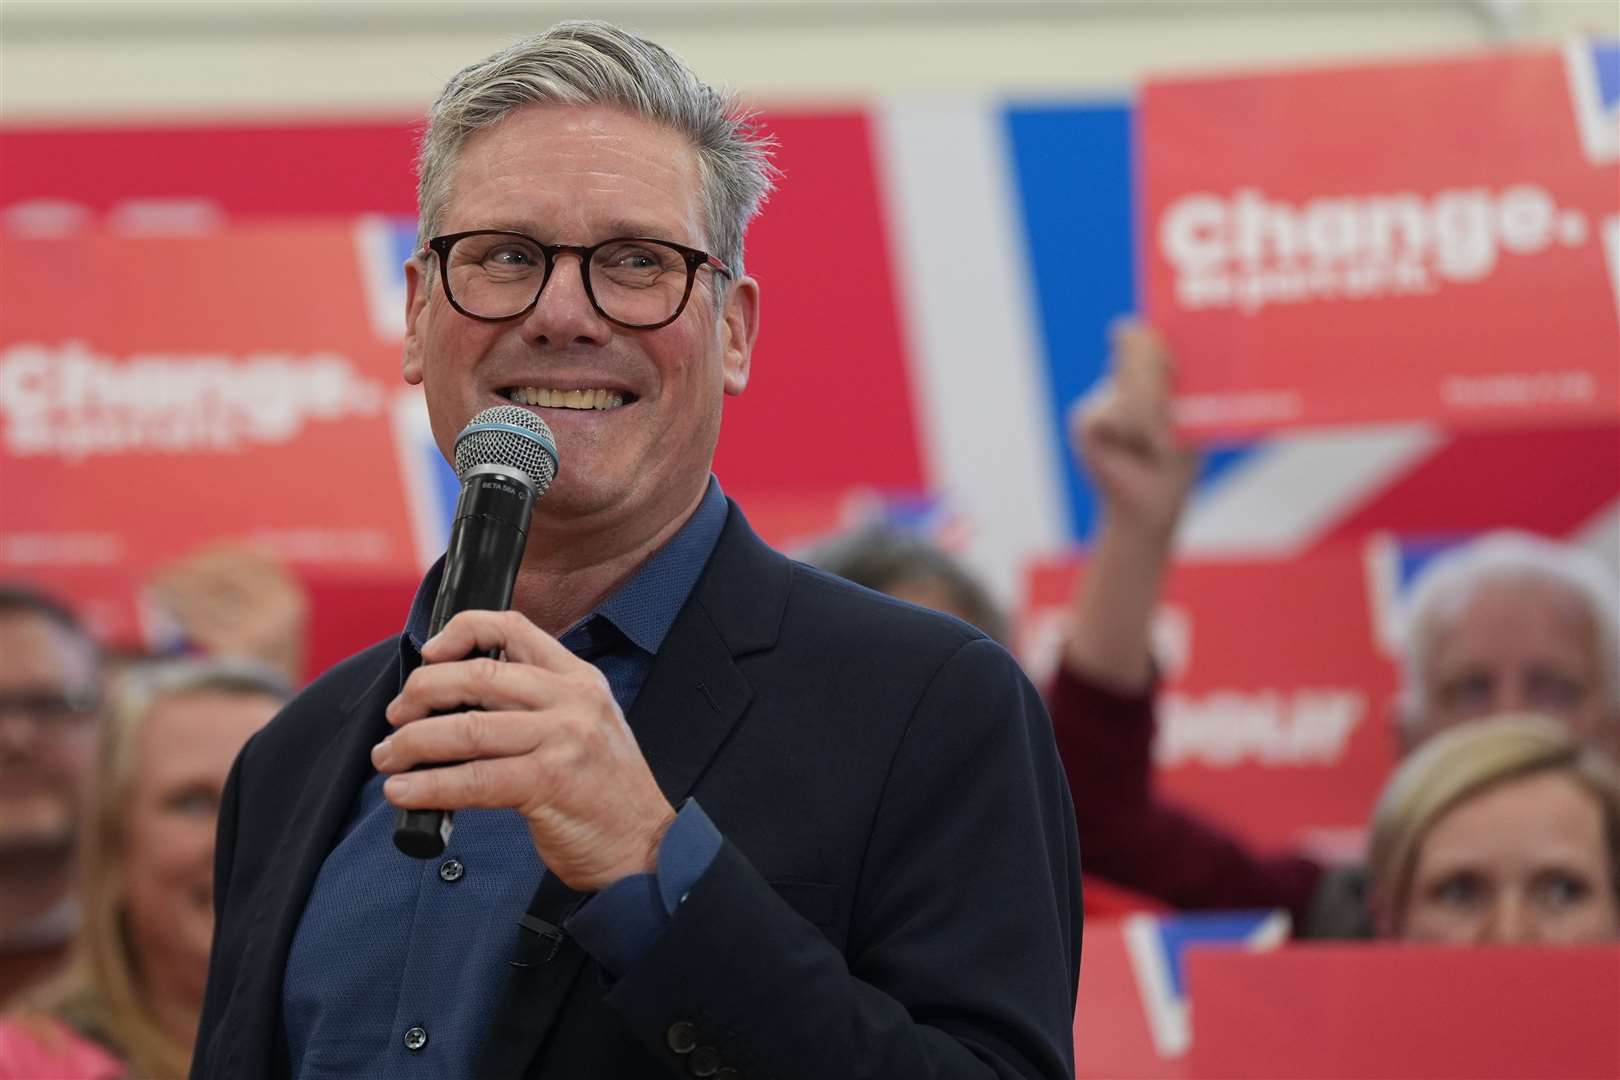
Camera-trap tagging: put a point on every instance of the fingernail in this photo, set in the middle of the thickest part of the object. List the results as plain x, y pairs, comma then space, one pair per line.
397, 787
380, 752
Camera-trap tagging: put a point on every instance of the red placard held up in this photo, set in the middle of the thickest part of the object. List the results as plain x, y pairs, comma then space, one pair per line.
1434, 241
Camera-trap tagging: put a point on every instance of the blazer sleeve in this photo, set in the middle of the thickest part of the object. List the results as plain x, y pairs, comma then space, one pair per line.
964, 941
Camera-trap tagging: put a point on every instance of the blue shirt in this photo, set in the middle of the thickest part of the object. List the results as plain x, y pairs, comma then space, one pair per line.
396, 963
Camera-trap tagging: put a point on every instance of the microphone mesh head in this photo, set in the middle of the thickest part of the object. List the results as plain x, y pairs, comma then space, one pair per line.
513, 438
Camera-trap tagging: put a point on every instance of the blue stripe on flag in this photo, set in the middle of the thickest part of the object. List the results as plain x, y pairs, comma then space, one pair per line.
1178, 932
1073, 176
1606, 60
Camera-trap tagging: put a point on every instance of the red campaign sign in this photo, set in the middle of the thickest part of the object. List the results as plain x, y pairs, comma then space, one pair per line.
1432, 241
829, 405
1274, 710
160, 392
1405, 1012
185, 353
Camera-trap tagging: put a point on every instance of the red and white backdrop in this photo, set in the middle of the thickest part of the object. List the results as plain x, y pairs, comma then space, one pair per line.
1392, 289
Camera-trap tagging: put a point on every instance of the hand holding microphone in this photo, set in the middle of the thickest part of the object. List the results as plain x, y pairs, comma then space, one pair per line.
538, 732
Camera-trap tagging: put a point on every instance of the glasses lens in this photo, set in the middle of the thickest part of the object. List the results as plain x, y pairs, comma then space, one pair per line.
640, 282
495, 274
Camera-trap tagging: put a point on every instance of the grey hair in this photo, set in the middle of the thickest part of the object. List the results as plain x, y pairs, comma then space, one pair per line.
1451, 580
883, 557
590, 62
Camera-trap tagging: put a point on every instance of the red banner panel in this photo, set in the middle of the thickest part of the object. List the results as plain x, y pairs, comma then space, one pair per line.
1413, 241
1403, 1012
1274, 711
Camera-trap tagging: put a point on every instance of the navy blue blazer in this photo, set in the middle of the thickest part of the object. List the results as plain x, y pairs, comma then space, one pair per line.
898, 894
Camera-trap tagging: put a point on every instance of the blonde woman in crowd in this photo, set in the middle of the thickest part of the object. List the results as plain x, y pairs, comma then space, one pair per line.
1499, 831
127, 1004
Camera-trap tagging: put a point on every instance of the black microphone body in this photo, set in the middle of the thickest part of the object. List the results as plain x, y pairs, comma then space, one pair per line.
506, 459
480, 568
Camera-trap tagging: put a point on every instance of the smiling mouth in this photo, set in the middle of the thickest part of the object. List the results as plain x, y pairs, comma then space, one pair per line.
599, 399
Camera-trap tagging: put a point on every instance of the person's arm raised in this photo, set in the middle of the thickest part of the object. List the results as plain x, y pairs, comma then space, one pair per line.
1123, 436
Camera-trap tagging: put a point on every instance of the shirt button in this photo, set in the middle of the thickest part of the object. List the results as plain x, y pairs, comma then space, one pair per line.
681, 1037
416, 1038
451, 870
705, 1061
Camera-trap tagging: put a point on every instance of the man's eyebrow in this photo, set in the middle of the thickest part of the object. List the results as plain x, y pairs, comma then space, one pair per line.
614, 227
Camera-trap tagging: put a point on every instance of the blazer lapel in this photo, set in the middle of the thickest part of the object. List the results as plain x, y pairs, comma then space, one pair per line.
323, 806
694, 695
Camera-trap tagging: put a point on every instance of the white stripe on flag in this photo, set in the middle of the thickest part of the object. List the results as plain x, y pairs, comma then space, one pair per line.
975, 366
1293, 488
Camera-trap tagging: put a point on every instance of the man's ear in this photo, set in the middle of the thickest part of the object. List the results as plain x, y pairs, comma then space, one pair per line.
418, 285
739, 326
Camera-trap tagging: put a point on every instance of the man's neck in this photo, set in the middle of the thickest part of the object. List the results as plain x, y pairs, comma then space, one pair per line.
570, 567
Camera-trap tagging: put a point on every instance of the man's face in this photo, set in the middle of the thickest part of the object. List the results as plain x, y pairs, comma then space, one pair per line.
579, 175
47, 738
1519, 646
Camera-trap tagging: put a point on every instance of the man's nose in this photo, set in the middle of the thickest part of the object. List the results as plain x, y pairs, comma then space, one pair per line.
18, 733
564, 313
1510, 696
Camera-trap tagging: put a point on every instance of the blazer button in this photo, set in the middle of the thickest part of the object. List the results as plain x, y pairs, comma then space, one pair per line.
705, 1061
416, 1038
451, 870
681, 1037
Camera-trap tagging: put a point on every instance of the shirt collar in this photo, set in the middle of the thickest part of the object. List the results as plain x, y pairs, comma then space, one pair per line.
645, 606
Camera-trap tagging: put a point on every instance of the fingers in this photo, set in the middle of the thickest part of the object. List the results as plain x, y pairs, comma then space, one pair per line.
1140, 365
486, 784
498, 631
479, 683
457, 737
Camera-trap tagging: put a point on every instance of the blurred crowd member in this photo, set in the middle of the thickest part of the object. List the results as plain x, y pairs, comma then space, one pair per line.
1499, 831
231, 600
909, 567
1507, 623
1513, 623
49, 688
128, 1002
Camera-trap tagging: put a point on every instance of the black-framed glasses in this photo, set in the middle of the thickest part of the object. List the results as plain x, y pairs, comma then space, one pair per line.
633, 281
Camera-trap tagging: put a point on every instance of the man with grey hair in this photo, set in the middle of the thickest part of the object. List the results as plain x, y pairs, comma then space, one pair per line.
1513, 623
719, 814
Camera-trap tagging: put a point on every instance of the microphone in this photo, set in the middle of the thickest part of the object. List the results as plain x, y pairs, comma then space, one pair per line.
506, 458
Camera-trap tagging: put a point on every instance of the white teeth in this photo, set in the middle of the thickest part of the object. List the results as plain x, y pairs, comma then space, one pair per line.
566, 399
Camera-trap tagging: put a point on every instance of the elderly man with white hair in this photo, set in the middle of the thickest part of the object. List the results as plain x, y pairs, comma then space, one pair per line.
1513, 623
